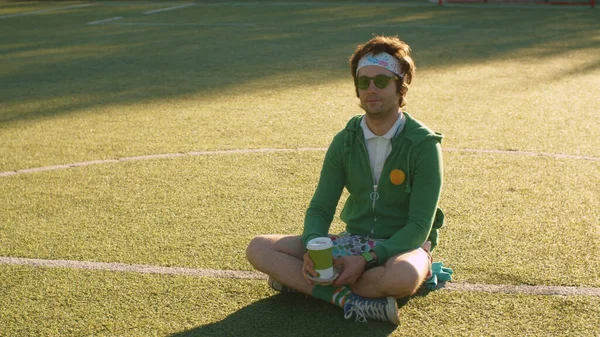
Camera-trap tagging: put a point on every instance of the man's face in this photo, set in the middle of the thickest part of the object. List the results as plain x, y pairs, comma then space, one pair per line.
376, 101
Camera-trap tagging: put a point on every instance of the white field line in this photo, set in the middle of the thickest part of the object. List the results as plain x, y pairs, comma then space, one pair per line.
134, 3
430, 3
572, 6
105, 20
167, 9
157, 24
276, 4
524, 289
238, 274
271, 150
43, 11
407, 25
315, 4
154, 156
133, 268
527, 153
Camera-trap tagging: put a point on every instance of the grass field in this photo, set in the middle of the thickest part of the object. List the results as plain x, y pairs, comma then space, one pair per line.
205, 86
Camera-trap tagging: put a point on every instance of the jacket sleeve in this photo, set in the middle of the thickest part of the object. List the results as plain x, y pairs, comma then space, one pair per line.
426, 187
323, 205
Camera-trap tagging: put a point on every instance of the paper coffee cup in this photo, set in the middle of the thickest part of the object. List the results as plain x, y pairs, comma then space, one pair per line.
320, 251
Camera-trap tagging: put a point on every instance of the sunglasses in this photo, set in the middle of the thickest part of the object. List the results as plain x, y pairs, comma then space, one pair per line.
381, 81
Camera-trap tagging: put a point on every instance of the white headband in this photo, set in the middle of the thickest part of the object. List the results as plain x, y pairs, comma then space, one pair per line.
383, 60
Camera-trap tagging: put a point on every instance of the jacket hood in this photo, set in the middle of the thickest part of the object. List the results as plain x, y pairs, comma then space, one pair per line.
413, 130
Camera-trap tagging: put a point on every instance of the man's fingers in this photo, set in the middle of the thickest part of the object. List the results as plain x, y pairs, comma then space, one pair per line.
305, 272
342, 279
339, 282
311, 271
308, 268
307, 260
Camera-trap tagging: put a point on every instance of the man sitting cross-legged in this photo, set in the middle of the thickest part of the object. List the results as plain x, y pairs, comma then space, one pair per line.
391, 165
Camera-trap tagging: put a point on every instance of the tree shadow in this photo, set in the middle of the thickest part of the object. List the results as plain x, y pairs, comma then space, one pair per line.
206, 50
290, 315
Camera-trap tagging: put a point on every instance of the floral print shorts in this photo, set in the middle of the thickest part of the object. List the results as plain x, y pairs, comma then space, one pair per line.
346, 244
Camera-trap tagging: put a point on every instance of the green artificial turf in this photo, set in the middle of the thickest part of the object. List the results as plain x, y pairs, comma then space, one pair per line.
59, 302
511, 219
248, 75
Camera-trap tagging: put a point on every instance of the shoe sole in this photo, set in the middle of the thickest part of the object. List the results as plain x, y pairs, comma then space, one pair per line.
393, 307
271, 283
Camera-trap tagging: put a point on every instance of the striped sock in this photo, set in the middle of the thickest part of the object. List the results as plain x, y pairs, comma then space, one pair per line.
331, 294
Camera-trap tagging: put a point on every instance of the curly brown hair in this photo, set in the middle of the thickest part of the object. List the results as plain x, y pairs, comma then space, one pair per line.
395, 47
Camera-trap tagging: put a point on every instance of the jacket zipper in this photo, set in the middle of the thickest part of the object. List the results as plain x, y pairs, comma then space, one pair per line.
374, 196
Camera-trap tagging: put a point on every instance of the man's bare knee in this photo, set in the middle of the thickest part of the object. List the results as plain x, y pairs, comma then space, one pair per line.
404, 282
268, 244
402, 279
257, 246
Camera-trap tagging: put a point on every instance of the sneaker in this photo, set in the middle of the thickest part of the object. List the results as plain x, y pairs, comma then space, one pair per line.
277, 286
381, 309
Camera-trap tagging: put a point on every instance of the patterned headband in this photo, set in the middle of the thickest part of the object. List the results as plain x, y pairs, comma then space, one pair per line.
383, 60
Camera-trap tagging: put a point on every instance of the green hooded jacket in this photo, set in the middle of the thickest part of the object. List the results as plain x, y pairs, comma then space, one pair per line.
403, 210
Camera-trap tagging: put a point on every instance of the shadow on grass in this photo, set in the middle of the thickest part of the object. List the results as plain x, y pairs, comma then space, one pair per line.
206, 49
290, 315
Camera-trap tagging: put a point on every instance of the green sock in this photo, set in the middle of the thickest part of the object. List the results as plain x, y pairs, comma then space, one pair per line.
331, 294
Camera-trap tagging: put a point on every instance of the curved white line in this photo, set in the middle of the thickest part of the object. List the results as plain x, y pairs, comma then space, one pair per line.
44, 11
167, 9
527, 153
271, 150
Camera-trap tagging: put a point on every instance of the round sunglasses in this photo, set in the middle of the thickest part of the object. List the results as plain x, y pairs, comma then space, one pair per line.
381, 81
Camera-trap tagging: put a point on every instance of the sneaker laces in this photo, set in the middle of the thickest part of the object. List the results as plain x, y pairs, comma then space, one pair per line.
363, 308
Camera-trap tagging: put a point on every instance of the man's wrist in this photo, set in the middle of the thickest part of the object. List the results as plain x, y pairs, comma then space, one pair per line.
374, 255
370, 259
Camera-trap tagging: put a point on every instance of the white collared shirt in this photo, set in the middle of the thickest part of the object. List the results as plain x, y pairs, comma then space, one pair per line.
379, 147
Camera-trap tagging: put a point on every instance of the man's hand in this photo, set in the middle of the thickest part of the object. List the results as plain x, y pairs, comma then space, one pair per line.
352, 269
308, 267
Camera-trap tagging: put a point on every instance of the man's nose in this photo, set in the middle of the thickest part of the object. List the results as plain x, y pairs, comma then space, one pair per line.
372, 87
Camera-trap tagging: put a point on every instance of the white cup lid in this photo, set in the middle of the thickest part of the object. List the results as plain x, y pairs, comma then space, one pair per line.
319, 244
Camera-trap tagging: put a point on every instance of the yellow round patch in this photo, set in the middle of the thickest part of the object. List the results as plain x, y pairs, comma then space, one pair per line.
397, 176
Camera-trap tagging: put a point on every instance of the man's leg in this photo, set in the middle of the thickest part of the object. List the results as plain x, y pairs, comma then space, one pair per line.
280, 257
399, 277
